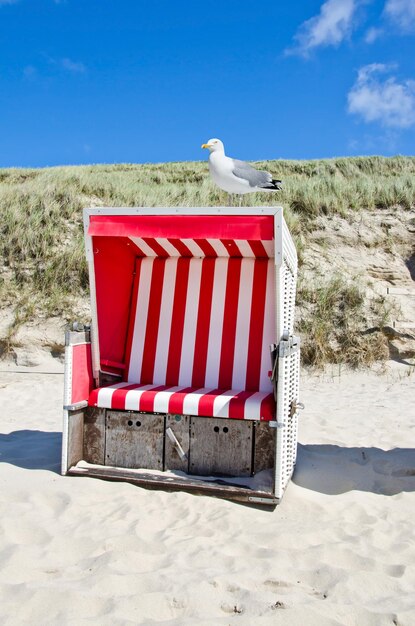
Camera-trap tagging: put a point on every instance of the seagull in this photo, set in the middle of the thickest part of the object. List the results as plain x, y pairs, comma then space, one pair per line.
236, 176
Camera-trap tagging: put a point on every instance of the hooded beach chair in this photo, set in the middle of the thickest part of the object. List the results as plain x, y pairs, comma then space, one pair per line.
188, 377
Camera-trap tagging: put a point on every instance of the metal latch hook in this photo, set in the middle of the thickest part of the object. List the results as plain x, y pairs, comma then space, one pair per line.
295, 406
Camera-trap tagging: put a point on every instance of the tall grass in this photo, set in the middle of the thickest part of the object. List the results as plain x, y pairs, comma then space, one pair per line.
334, 313
41, 236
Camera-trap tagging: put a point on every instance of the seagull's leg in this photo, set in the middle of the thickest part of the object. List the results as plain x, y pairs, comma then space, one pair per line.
230, 197
240, 199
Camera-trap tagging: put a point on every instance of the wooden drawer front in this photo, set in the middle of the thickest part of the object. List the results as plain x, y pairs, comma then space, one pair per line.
134, 440
220, 446
94, 435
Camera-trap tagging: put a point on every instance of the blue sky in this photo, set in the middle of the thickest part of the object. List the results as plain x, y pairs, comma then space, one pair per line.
109, 81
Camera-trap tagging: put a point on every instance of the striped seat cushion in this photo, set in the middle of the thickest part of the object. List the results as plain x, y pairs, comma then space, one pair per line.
234, 404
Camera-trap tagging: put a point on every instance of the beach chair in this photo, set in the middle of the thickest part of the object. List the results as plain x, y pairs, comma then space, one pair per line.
188, 377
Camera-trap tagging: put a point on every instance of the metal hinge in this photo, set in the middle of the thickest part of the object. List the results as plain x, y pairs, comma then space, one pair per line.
296, 405
289, 346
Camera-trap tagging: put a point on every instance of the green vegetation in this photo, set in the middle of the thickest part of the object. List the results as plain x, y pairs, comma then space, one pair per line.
41, 244
331, 324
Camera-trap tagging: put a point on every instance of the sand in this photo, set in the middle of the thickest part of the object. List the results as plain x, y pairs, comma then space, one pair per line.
338, 550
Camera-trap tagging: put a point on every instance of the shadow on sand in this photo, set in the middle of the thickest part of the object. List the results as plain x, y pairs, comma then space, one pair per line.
333, 469
32, 449
327, 469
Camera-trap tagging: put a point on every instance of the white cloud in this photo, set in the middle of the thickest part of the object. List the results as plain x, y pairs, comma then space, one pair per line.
73, 66
330, 27
402, 13
52, 67
373, 34
383, 100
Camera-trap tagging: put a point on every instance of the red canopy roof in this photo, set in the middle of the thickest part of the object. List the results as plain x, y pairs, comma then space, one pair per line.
236, 227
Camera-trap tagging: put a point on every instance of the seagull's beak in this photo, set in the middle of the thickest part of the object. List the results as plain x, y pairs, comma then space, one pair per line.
205, 145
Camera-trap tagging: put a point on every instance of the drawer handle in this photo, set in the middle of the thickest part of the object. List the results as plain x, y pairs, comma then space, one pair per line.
170, 434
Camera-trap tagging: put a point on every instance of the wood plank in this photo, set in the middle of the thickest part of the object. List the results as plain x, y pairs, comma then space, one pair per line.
75, 437
220, 446
264, 447
94, 435
134, 440
180, 425
156, 481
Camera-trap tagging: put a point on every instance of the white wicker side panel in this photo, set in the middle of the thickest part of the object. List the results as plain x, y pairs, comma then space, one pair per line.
287, 419
283, 408
292, 418
286, 278
289, 280
288, 366
289, 268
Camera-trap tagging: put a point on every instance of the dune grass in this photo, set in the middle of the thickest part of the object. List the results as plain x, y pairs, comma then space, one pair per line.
41, 245
334, 315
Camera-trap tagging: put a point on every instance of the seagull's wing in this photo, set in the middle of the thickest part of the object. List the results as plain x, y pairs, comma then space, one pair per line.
255, 178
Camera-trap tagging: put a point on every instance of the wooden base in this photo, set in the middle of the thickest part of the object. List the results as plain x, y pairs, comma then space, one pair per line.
215, 456
219, 489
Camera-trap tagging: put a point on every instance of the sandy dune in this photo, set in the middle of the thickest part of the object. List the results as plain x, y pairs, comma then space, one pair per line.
338, 550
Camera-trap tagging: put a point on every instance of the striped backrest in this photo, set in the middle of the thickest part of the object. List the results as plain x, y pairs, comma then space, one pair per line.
169, 247
202, 322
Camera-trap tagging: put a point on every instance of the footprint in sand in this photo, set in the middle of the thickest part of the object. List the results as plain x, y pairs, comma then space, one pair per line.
231, 609
277, 584
396, 571
278, 605
281, 586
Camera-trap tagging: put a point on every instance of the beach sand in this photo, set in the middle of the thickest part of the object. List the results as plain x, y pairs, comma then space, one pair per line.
339, 549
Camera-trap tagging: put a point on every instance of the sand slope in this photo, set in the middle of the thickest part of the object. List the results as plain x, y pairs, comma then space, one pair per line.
338, 550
